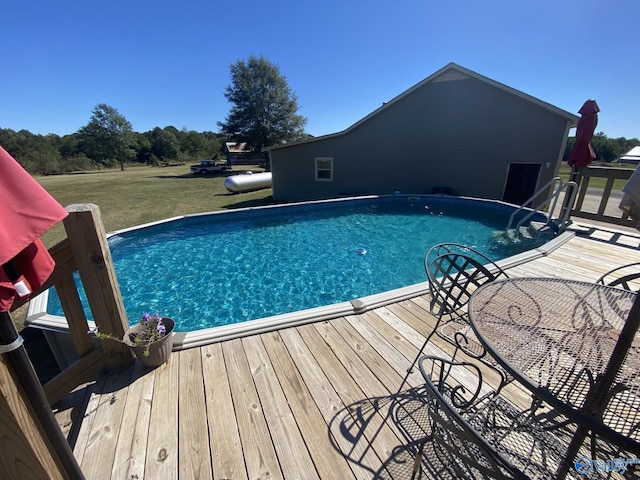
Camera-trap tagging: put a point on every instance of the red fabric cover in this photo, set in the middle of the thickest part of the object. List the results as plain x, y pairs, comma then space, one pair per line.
583, 153
26, 212
26, 209
34, 264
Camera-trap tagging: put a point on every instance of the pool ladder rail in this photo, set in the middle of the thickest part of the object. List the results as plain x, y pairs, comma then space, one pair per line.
548, 206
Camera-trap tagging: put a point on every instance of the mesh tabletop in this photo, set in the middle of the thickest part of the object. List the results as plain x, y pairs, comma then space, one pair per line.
557, 337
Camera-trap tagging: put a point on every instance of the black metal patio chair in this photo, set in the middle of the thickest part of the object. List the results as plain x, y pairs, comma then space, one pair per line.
459, 426
454, 272
625, 276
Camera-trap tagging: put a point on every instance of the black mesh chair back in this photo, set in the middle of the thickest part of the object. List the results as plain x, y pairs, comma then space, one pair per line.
625, 276
455, 272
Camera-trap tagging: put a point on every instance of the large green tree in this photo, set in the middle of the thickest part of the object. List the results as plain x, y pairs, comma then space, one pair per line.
607, 149
264, 109
108, 137
164, 143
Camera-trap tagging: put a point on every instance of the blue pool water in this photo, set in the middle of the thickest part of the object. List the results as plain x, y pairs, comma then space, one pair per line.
212, 270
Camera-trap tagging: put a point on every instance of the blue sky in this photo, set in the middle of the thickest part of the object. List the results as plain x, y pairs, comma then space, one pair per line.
166, 63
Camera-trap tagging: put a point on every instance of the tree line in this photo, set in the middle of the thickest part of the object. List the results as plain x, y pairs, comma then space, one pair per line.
53, 154
607, 149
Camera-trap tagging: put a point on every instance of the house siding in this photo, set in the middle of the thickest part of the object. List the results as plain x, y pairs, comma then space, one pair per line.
461, 133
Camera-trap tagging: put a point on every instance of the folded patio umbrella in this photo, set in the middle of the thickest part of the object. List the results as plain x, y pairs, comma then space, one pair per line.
27, 212
583, 153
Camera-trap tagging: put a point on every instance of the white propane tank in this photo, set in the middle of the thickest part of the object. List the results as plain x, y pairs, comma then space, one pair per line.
248, 183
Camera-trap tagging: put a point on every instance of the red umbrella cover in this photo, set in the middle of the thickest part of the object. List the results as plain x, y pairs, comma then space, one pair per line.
582, 153
27, 212
33, 266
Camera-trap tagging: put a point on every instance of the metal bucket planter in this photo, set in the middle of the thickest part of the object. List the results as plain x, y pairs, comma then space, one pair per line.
159, 351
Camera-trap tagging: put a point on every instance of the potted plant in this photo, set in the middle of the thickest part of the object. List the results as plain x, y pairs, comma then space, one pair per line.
150, 339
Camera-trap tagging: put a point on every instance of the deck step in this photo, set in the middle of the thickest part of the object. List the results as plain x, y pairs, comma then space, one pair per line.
541, 228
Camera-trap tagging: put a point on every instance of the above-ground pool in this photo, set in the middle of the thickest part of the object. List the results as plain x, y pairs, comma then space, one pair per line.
223, 268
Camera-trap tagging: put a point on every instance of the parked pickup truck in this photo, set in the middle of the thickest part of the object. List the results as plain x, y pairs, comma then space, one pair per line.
209, 166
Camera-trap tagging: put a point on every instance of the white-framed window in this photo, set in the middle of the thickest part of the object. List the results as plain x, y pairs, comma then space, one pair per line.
324, 169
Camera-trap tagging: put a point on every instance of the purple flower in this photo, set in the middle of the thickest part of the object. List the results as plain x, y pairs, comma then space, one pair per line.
151, 329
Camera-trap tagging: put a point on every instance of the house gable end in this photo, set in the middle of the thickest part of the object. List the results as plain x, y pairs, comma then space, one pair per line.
454, 72
449, 73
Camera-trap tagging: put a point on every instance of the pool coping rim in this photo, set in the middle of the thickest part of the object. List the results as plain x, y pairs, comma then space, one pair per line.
38, 317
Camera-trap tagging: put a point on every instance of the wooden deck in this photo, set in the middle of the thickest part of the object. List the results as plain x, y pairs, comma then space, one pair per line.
304, 402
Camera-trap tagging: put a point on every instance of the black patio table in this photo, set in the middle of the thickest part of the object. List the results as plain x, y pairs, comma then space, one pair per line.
574, 346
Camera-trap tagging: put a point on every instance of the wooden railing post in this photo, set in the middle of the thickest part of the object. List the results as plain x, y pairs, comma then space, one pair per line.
88, 243
74, 313
26, 450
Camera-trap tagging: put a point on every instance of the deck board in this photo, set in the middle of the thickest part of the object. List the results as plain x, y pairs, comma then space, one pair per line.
224, 442
194, 454
131, 449
259, 453
162, 450
286, 437
333, 377
313, 428
360, 371
319, 401
310, 401
105, 428
86, 422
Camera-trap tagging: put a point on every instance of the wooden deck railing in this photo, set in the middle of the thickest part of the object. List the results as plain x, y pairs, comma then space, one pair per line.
601, 215
85, 250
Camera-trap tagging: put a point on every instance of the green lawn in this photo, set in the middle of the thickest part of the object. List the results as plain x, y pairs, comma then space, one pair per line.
140, 195
565, 171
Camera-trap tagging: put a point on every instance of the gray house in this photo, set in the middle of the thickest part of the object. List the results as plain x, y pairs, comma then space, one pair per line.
455, 132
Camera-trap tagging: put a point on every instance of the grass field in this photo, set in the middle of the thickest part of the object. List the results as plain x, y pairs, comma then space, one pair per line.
140, 195
565, 172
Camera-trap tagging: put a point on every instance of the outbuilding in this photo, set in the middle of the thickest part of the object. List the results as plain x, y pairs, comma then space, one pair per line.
455, 132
